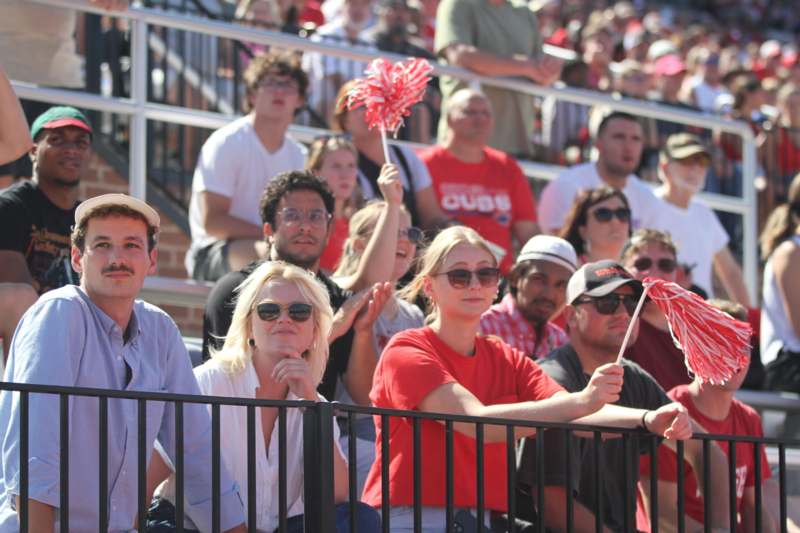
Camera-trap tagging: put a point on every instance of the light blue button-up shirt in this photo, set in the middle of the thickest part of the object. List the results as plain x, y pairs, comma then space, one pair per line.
64, 339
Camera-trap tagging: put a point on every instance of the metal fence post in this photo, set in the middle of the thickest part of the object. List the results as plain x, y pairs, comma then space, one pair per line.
318, 468
137, 165
750, 216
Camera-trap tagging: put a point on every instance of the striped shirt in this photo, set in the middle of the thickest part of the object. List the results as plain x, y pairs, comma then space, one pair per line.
505, 321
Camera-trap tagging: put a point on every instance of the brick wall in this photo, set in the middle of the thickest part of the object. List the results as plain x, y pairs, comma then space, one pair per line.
172, 244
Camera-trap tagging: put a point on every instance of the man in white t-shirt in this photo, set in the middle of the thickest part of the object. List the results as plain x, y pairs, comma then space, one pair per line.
235, 165
707, 86
619, 143
701, 240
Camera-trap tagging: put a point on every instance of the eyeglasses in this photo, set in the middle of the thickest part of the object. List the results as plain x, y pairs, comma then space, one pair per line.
412, 234
665, 264
460, 278
275, 83
316, 217
608, 304
605, 214
270, 311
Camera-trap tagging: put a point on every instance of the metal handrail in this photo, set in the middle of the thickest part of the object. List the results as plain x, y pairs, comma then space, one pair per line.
787, 402
317, 440
141, 110
159, 290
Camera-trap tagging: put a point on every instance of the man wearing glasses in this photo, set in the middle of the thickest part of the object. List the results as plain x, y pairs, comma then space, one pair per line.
296, 210
601, 298
683, 166
235, 164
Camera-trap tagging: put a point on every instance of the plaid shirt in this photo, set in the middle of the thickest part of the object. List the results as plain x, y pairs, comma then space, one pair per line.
505, 321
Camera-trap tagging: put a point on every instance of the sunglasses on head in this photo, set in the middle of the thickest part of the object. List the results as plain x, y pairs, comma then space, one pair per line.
665, 264
608, 304
460, 278
326, 138
270, 311
605, 214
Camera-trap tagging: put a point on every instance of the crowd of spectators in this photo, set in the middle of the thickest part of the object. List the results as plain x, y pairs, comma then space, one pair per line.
433, 281
737, 60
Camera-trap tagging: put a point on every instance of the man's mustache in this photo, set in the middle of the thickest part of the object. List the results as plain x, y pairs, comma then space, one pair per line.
117, 268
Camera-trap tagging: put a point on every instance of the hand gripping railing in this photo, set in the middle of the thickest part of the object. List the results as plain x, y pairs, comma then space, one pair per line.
141, 110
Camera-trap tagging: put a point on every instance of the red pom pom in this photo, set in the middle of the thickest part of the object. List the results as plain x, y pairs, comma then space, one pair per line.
714, 344
389, 90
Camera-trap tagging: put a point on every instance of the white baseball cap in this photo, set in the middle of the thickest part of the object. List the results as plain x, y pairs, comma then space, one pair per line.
105, 200
549, 248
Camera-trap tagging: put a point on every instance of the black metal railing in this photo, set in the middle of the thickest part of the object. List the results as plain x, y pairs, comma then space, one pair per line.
318, 435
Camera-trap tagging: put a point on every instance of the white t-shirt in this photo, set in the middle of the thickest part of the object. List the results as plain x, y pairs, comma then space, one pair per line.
697, 233
37, 44
558, 196
705, 95
234, 163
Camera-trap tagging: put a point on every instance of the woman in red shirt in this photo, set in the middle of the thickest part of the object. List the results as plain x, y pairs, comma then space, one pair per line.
447, 367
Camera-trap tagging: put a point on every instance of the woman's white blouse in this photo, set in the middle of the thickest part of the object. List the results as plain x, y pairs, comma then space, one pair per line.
215, 380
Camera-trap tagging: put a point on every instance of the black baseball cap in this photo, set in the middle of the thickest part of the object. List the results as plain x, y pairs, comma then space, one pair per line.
599, 279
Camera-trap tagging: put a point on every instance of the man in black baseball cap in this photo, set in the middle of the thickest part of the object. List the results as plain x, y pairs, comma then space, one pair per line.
594, 281
36, 215
601, 299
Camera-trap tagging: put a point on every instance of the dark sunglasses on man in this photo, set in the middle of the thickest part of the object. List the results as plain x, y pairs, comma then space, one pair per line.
665, 264
605, 214
608, 304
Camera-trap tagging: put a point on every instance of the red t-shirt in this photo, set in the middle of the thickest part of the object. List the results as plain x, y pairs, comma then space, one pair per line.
333, 251
742, 420
414, 363
655, 351
488, 196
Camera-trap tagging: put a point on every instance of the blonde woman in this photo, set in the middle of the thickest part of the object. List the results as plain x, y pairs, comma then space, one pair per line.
276, 349
335, 160
397, 315
447, 367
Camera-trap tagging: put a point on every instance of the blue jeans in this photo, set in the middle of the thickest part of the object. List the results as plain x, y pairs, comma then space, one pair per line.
367, 519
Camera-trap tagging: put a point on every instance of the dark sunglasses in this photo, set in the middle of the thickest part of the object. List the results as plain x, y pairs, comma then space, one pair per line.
460, 278
605, 214
665, 264
270, 311
413, 234
608, 304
